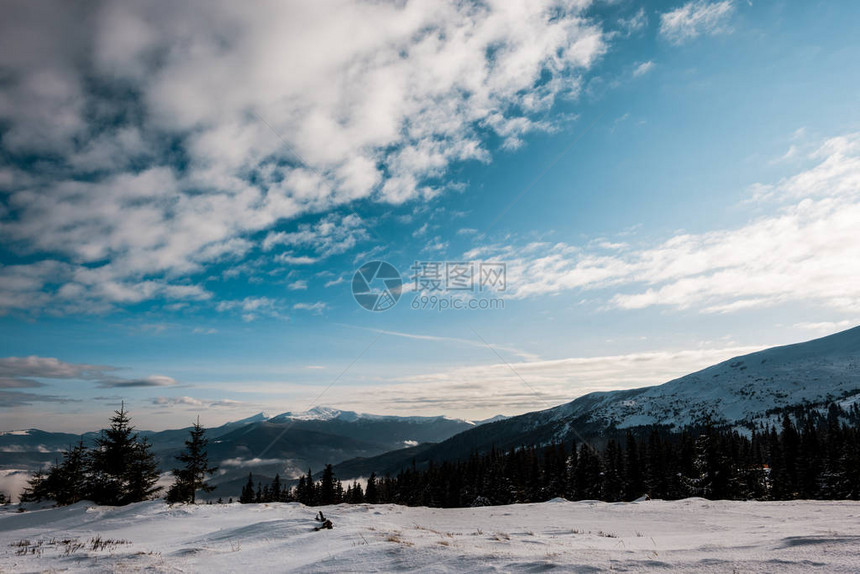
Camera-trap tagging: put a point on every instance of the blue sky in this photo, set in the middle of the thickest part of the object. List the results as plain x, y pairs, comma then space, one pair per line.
184, 200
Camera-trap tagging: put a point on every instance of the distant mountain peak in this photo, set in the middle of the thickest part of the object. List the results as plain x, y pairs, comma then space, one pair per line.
257, 418
317, 413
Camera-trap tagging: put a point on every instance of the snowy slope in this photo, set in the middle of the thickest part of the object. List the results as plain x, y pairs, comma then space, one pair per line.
690, 535
741, 389
745, 390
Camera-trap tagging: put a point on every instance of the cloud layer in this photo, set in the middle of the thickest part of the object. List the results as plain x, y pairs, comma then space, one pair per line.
521, 386
149, 140
696, 18
18, 372
805, 252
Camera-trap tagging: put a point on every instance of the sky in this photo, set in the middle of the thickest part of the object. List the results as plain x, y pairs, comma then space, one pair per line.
576, 195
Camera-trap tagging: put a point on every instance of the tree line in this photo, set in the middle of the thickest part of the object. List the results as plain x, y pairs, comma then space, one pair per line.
810, 455
120, 469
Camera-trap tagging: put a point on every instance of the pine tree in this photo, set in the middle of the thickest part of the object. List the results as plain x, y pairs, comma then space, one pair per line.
191, 477
123, 467
70, 480
613, 483
109, 460
327, 493
301, 494
635, 486
37, 488
354, 494
142, 473
371, 493
311, 490
275, 490
248, 491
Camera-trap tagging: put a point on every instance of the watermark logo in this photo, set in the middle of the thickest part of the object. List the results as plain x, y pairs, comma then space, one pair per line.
377, 286
447, 276
458, 285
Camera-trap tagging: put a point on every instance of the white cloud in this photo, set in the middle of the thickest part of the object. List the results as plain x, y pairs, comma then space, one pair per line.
248, 462
643, 68
634, 23
196, 403
299, 285
252, 308
435, 245
524, 386
696, 18
330, 236
18, 372
49, 368
173, 133
807, 251
828, 327
291, 259
150, 381
317, 307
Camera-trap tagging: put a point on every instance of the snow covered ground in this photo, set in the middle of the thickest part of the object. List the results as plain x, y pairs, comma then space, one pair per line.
692, 535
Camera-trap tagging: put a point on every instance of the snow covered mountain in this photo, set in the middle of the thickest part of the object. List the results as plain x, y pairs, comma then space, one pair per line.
286, 444
744, 391
741, 390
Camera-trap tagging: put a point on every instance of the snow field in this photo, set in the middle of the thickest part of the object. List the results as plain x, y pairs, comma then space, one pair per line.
692, 535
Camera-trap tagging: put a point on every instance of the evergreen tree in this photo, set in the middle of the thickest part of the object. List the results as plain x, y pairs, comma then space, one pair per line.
327, 492
37, 488
123, 467
311, 490
371, 493
719, 463
635, 485
70, 478
142, 473
354, 494
247, 495
301, 493
613, 482
191, 477
275, 489
65, 482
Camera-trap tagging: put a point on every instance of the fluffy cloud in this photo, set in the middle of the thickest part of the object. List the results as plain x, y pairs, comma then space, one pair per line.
330, 236
150, 381
252, 307
696, 18
11, 399
317, 307
529, 385
25, 372
148, 140
806, 251
192, 402
634, 23
642, 69
48, 368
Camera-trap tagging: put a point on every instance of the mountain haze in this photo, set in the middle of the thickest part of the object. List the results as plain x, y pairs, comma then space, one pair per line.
746, 391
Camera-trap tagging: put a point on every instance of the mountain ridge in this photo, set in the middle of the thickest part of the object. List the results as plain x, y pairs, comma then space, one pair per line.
745, 392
